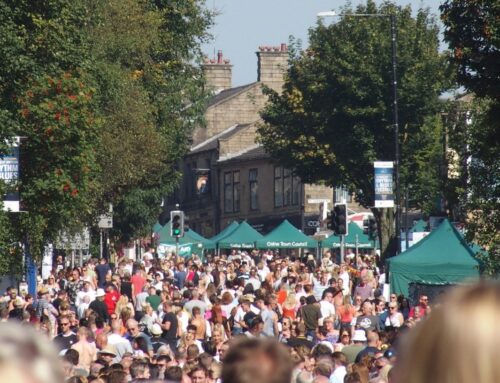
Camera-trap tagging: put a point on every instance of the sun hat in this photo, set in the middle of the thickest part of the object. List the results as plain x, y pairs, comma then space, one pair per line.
108, 350
100, 293
359, 336
156, 330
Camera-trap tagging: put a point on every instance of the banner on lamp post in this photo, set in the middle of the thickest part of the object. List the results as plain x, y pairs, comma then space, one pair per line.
384, 191
9, 173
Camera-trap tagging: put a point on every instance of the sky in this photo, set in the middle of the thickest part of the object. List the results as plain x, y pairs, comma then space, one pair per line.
243, 25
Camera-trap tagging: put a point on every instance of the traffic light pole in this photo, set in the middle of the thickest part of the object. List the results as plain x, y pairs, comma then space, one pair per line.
342, 248
176, 247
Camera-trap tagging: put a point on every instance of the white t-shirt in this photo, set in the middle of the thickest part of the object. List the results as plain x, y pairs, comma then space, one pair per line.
327, 309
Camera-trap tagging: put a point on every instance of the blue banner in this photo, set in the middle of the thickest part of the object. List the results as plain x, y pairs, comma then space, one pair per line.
383, 183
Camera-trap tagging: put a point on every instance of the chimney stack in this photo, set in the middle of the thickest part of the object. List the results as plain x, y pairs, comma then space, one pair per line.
272, 65
218, 73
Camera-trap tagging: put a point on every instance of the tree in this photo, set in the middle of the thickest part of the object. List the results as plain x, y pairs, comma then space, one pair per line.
150, 95
334, 117
472, 30
46, 97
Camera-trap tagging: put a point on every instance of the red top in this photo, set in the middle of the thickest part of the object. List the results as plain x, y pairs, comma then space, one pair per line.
289, 313
138, 282
110, 300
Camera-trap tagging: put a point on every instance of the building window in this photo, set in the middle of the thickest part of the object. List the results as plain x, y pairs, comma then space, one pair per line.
228, 192
236, 191
295, 190
278, 186
254, 189
188, 181
232, 192
341, 195
287, 187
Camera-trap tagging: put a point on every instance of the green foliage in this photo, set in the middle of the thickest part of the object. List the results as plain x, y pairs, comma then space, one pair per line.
482, 203
87, 82
58, 162
472, 30
334, 117
151, 96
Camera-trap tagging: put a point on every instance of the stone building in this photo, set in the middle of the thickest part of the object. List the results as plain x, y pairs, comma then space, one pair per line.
228, 176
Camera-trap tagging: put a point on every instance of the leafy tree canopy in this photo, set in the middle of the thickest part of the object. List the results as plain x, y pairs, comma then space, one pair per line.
334, 117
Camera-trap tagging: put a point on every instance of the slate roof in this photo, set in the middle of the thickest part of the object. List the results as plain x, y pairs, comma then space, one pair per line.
228, 93
253, 153
212, 142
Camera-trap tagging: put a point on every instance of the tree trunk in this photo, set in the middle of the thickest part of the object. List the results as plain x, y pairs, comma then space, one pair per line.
386, 232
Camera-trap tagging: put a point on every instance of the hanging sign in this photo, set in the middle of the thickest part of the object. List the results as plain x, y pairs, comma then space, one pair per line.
384, 192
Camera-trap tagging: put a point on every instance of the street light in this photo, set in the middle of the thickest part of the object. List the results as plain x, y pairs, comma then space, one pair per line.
392, 18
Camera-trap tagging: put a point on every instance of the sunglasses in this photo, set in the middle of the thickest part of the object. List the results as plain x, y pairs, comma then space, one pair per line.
65, 324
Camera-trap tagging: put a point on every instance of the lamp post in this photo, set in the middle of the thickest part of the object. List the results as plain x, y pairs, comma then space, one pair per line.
392, 18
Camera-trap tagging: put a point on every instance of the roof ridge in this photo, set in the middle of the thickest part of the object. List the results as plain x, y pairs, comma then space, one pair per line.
237, 154
214, 137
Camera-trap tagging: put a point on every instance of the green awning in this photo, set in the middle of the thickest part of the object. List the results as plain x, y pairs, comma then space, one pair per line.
207, 243
441, 257
157, 227
355, 234
286, 236
419, 227
243, 237
229, 229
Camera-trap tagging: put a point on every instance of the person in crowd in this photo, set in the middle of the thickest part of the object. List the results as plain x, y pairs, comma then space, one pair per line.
439, 350
66, 338
98, 306
253, 360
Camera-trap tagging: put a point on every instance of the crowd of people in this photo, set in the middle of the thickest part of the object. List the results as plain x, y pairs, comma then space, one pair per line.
241, 317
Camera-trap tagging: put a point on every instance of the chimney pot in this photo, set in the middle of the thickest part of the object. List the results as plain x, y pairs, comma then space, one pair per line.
219, 57
284, 48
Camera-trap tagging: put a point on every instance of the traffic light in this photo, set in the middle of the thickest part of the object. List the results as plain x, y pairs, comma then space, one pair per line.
186, 223
329, 220
177, 223
372, 227
366, 226
340, 219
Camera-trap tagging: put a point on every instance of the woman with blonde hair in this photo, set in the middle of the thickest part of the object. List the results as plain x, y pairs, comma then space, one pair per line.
346, 312
290, 306
442, 349
123, 302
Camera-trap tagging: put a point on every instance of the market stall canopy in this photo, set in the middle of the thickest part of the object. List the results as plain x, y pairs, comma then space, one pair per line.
441, 257
190, 238
354, 230
419, 227
157, 227
229, 229
207, 243
286, 236
243, 237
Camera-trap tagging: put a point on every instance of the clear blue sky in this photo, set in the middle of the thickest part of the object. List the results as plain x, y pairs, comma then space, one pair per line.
243, 25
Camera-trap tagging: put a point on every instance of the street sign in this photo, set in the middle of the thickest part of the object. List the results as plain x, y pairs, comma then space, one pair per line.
78, 241
105, 221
